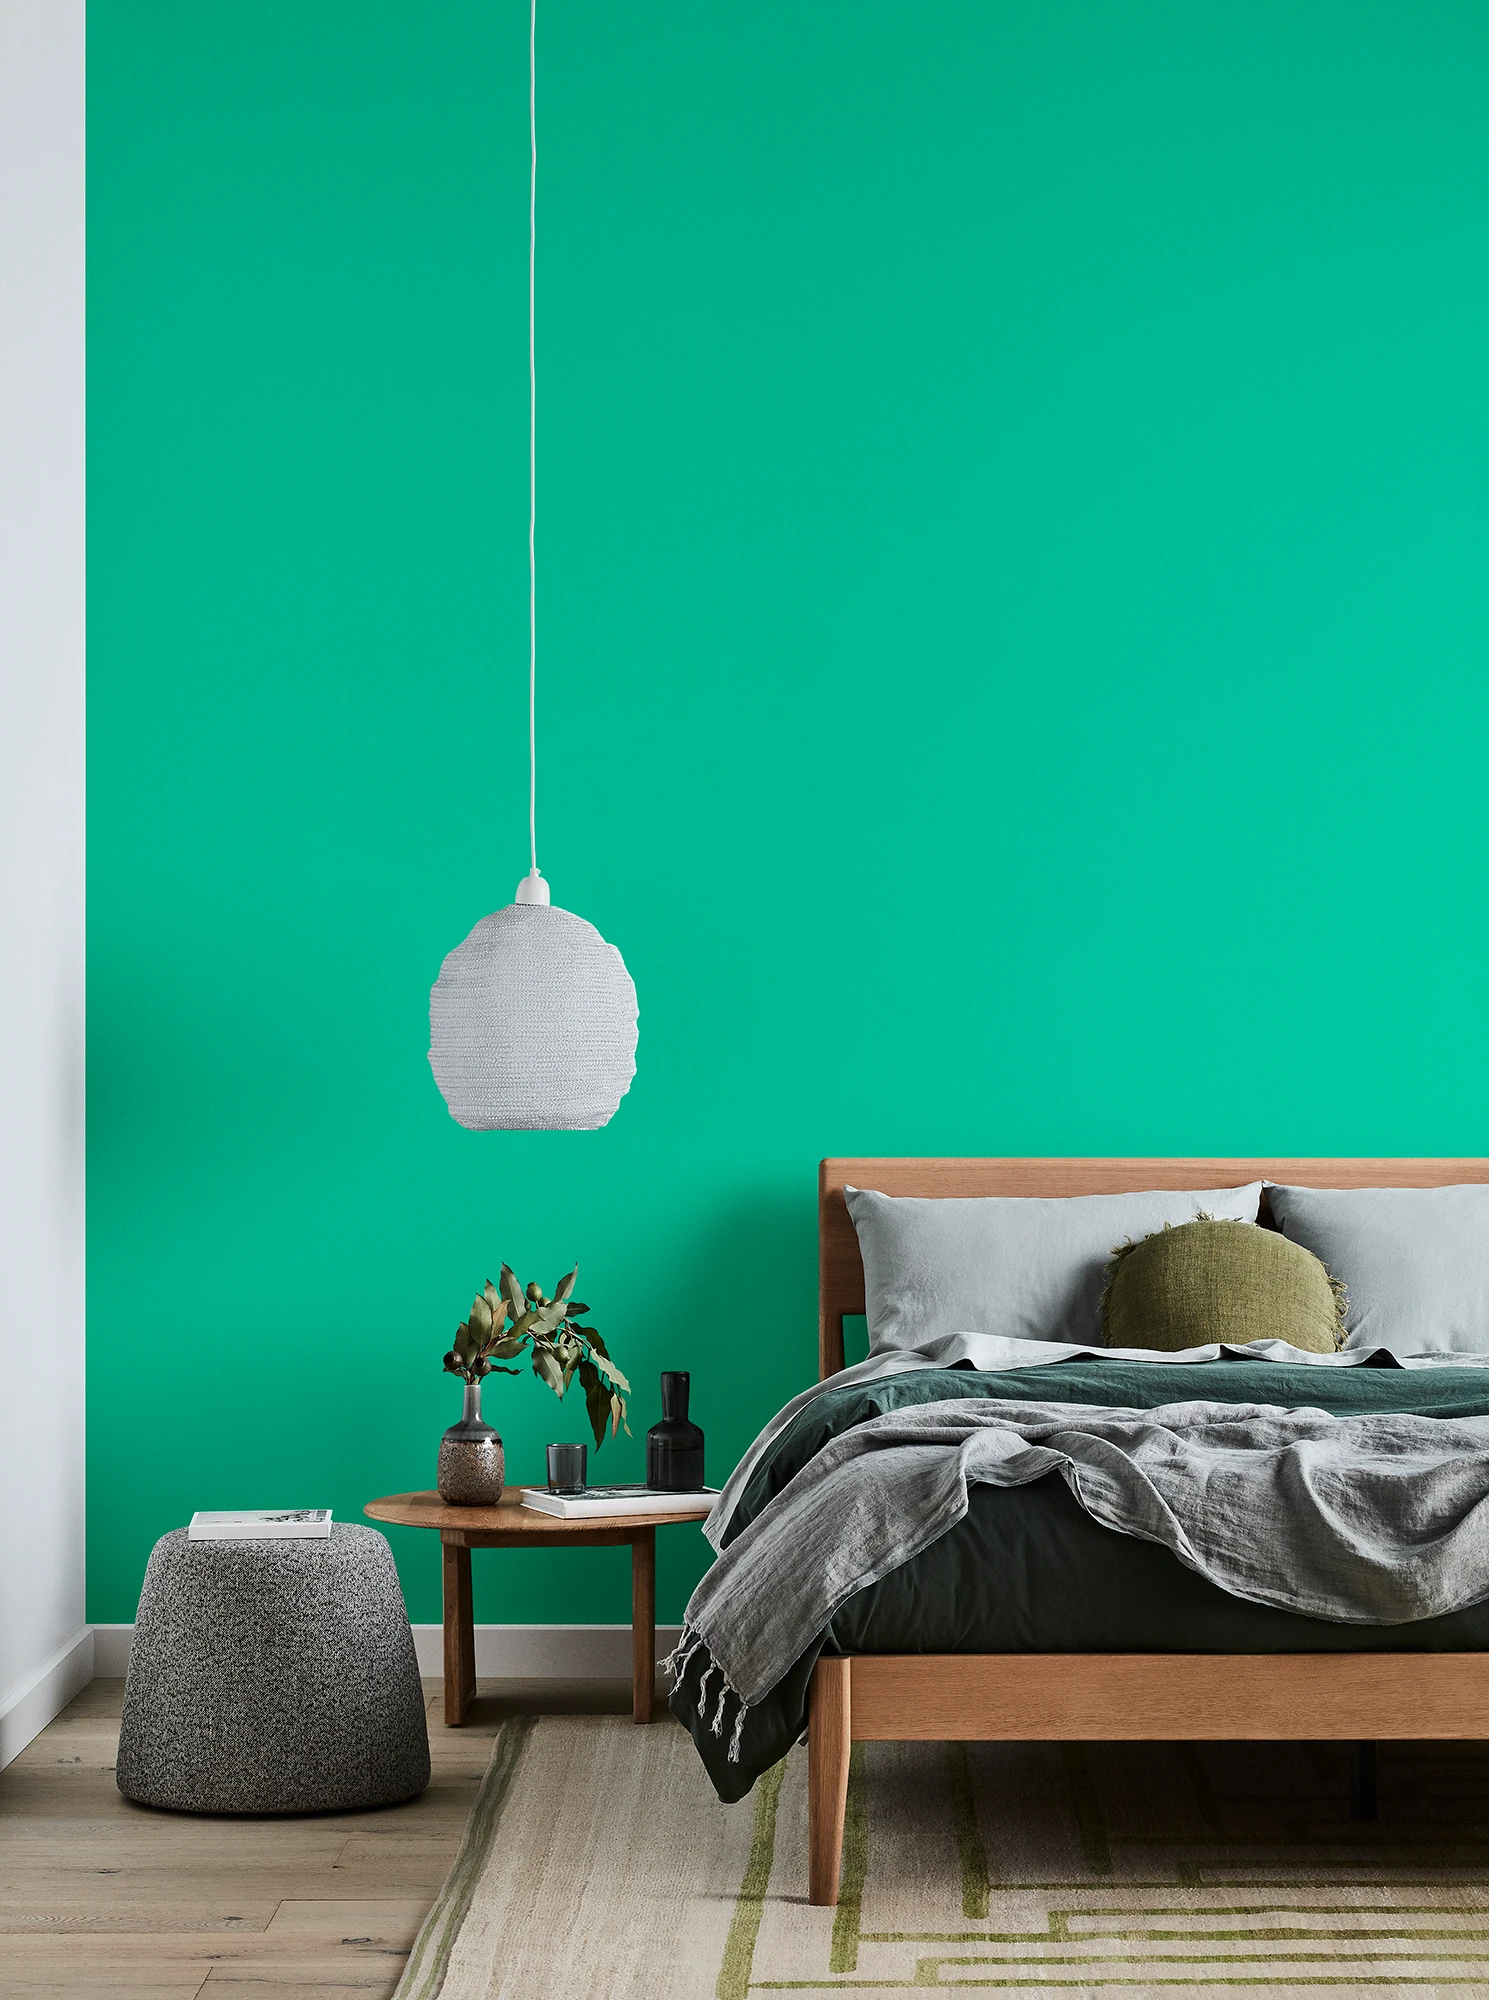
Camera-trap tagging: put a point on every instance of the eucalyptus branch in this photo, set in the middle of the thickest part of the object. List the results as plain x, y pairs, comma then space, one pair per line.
509, 1318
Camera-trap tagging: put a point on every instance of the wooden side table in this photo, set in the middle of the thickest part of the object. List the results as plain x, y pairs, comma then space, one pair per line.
510, 1525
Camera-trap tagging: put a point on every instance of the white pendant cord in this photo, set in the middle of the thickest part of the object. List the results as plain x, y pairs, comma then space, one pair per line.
532, 888
532, 441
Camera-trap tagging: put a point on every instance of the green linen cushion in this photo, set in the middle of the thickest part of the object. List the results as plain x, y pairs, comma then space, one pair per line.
1210, 1281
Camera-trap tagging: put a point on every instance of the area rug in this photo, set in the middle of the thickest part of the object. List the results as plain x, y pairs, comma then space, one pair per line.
599, 1866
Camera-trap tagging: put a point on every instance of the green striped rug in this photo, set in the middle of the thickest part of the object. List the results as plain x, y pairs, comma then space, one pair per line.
598, 1863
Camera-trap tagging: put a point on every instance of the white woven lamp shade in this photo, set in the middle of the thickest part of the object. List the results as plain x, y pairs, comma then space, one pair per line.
532, 1024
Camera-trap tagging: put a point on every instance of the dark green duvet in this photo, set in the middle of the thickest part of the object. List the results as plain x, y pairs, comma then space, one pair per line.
1029, 1571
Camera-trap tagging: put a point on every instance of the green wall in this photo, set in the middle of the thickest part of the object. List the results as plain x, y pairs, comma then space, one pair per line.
1014, 662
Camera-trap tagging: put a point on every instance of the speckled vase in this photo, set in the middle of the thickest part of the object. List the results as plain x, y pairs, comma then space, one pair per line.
472, 1464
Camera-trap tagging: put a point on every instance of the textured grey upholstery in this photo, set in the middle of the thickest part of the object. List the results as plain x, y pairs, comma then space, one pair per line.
273, 1677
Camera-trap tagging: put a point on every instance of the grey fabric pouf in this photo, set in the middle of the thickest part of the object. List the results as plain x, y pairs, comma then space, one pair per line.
273, 1677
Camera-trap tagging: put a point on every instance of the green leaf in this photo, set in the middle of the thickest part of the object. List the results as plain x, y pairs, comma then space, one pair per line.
511, 1290
495, 1300
615, 1375
577, 1312
566, 1288
597, 1407
591, 1334
480, 1318
505, 1349
546, 1368
596, 1395
617, 1411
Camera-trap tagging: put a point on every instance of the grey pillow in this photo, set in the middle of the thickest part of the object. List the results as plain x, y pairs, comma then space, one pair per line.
1415, 1260
1028, 1267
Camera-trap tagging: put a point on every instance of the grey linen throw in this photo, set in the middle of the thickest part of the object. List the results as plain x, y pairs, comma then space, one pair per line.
1370, 1520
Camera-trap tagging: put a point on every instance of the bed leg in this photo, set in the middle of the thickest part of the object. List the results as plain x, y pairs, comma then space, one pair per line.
829, 1741
1362, 1782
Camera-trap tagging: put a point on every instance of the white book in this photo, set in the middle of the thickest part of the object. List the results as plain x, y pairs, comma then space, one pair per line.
262, 1524
596, 1501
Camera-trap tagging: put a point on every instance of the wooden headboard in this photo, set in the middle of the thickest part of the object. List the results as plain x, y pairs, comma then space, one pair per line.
840, 1268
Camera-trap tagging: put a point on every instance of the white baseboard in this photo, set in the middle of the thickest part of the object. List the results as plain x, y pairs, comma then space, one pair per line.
45, 1694
514, 1652
531, 1652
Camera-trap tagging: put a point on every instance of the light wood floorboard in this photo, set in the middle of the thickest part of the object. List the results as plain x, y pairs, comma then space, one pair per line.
98, 1896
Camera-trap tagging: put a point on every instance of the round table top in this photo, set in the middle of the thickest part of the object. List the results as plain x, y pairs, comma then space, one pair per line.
509, 1516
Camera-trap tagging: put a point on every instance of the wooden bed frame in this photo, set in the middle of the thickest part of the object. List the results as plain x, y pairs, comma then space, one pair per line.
1068, 1697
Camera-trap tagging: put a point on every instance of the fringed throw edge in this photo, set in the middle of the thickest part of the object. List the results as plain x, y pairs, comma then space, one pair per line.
689, 1646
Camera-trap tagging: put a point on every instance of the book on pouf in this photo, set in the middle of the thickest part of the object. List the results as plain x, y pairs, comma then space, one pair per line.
595, 1501
262, 1524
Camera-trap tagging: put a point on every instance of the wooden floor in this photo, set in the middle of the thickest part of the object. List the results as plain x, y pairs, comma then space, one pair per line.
101, 1897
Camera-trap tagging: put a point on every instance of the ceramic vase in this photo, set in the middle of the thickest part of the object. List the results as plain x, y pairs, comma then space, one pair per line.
674, 1447
472, 1464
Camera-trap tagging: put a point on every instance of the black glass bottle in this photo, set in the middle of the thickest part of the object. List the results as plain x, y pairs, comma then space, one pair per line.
674, 1447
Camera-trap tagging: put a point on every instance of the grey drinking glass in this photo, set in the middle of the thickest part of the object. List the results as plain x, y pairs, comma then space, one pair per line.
566, 1467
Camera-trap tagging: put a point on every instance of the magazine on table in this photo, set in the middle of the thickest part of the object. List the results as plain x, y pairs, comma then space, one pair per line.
595, 1501
262, 1524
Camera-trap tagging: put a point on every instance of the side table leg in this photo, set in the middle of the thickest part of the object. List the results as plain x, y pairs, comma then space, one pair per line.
460, 1636
643, 1623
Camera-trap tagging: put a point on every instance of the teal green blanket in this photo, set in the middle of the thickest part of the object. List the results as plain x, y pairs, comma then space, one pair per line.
1029, 1571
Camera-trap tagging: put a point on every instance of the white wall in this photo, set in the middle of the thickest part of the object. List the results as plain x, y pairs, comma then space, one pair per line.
46, 1652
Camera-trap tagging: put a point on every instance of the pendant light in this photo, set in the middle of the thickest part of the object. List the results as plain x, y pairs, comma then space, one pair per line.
532, 1021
